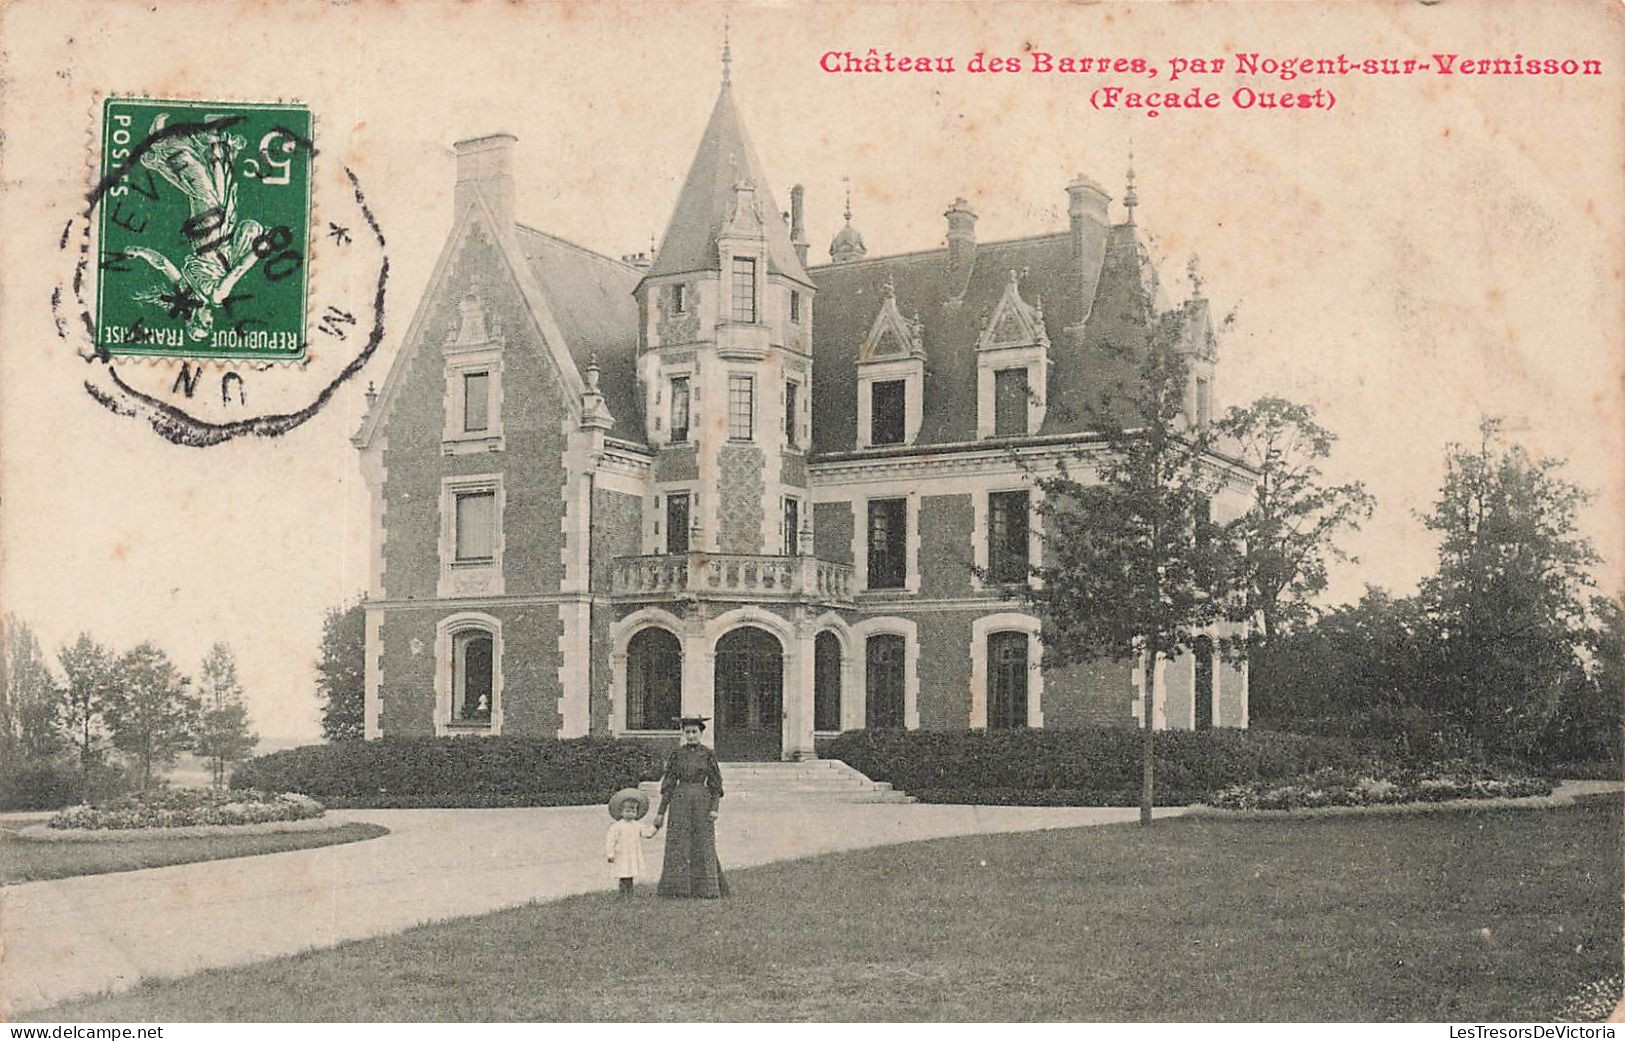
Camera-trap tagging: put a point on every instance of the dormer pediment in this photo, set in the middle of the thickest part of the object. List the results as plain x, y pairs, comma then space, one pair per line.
1014, 322
893, 337
745, 216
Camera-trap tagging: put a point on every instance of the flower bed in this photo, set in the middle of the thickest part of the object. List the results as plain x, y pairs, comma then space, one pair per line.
1354, 788
186, 808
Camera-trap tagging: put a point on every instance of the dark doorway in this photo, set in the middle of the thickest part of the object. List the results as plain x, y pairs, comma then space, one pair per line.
1204, 683
749, 695
883, 676
1007, 681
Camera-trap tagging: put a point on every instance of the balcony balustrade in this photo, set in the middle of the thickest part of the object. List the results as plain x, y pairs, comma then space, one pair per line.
731, 576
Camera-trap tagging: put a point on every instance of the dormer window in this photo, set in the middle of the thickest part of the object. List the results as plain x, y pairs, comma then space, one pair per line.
1010, 402
1012, 367
744, 289
888, 408
891, 377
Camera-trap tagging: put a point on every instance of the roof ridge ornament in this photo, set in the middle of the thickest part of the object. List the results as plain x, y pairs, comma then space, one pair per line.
1131, 196
727, 53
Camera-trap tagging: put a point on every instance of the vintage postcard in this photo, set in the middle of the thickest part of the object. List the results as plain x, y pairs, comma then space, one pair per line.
1019, 511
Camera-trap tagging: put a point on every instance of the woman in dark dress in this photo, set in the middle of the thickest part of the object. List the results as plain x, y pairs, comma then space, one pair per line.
691, 792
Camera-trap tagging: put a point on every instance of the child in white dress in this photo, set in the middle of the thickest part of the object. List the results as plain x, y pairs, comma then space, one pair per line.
624, 843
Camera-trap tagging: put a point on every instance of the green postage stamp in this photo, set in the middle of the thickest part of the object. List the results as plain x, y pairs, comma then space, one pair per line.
204, 230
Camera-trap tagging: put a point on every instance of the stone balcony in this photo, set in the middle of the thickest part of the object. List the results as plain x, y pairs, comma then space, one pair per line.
731, 576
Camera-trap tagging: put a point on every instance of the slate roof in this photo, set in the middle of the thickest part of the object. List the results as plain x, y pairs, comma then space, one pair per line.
590, 296
1093, 290
723, 159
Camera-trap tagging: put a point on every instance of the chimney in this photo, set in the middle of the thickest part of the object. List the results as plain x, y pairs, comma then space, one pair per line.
485, 167
1086, 204
961, 244
798, 233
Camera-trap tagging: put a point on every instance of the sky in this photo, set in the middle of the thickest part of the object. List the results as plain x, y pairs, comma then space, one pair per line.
1429, 251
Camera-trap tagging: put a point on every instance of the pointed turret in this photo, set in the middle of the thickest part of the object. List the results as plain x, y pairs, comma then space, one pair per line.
724, 160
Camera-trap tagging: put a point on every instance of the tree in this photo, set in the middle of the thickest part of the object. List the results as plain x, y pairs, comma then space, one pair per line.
1288, 531
1130, 561
1361, 670
1586, 728
223, 735
87, 668
30, 709
150, 710
341, 673
1507, 593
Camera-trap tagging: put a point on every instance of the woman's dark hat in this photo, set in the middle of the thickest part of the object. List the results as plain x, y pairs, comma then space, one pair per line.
625, 795
693, 721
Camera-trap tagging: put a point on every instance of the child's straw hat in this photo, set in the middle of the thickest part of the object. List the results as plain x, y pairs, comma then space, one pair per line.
625, 795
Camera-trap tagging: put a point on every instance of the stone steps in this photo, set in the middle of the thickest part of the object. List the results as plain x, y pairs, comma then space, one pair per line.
810, 781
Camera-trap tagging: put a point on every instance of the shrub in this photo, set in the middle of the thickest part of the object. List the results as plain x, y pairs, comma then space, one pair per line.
1085, 767
50, 784
449, 771
189, 807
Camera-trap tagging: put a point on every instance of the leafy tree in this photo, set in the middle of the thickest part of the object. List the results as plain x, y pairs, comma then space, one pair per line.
1586, 728
1129, 559
341, 673
223, 734
150, 710
1507, 592
30, 712
1289, 528
1361, 670
87, 668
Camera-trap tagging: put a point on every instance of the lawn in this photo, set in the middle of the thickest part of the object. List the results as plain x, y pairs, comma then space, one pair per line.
32, 861
1469, 916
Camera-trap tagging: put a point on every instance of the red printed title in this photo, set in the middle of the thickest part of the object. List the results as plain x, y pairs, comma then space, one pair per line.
1276, 76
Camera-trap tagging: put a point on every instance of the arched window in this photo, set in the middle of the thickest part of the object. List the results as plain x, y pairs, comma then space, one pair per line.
827, 681
654, 680
884, 680
473, 672
1204, 683
1007, 680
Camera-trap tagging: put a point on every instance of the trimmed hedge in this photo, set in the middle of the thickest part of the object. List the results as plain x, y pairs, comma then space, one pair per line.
454, 772
1097, 766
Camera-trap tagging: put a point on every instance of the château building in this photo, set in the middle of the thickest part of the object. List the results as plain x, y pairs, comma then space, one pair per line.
726, 481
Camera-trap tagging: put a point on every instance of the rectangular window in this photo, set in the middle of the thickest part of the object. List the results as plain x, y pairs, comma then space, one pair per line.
677, 523
741, 407
679, 299
1010, 402
744, 289
679, 409
888, 543
1204, 403
795, 306
792, 391
887, 408
476, 526
792, 526
1007, 536
476, 401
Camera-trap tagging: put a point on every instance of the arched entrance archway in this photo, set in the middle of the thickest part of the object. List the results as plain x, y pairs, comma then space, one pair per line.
749, 685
